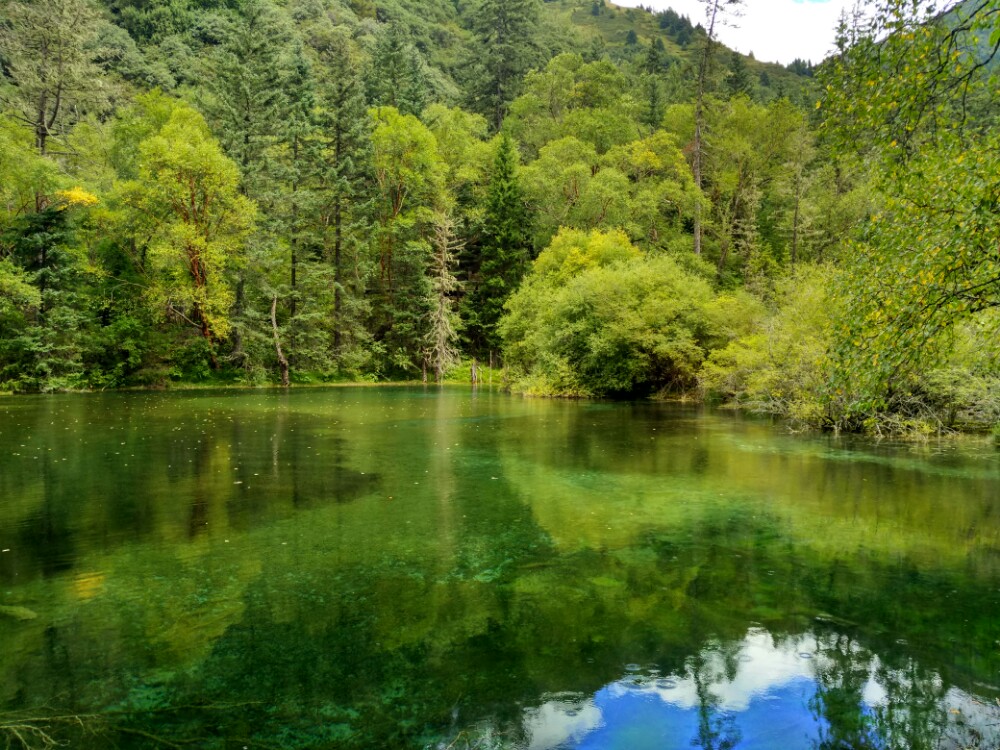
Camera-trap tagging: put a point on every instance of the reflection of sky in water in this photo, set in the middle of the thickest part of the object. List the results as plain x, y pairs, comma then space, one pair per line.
765, 704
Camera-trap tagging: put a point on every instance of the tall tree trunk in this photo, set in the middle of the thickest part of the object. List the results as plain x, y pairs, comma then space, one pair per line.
239, 356
795, 232
699, 116
338, 275
282, 360
795, 217
697, 175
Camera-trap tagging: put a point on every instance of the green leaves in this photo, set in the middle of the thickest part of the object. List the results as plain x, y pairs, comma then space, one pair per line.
595, 317
186, 207
927, 262
905, 75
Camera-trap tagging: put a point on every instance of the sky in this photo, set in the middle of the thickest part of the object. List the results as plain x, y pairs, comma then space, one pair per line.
774, 30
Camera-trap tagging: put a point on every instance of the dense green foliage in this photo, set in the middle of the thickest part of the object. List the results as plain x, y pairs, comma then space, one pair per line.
924, 274
266, 191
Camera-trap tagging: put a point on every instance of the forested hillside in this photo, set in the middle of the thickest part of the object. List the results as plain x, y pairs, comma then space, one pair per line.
601, 201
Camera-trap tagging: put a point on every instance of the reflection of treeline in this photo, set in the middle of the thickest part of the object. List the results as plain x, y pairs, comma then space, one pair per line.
915, 712
397, 643
134, 477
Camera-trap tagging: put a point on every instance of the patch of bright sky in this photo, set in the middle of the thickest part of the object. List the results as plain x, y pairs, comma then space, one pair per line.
774, 30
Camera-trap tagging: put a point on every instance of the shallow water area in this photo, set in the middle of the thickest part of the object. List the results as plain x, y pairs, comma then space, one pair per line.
434, 568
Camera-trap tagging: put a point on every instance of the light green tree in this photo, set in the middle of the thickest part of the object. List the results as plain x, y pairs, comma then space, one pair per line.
193, 220
410, 179
441, 352
595, 317
925, 262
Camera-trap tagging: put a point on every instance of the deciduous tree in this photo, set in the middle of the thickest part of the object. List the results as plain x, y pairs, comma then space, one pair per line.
187, 195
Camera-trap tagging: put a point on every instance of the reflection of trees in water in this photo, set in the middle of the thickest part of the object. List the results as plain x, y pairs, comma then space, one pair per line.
913, 711
717, 729
842, 672
914, 714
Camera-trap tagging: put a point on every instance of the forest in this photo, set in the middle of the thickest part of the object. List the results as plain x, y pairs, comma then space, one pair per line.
593, 201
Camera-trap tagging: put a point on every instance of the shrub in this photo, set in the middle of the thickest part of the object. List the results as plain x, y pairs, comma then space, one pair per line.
781, 366
595, 317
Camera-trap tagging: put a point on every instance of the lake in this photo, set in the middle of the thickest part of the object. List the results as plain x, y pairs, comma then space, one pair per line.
372, 567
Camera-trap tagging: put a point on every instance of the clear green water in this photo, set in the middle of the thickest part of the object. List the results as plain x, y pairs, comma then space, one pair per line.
389, 567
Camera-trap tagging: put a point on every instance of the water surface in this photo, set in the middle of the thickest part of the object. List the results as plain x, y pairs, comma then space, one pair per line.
398, 567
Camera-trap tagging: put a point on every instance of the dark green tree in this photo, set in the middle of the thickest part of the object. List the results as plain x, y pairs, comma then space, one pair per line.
146, 20
250, 111
506, 50
43, 350
653, 62
505, 251
248, 104
345, 199
397, 74
738, 78
655, 101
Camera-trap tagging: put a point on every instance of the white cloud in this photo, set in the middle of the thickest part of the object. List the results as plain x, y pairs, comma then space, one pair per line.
774, 30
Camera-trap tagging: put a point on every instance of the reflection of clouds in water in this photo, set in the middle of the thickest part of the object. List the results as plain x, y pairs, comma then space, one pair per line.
557, 722
764, 685
566, 720
762, 668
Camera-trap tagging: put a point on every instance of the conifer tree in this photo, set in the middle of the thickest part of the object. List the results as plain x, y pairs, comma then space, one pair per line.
397, 75
248, 102
505, 31
738, 79
48, 54
248, 109
655, 102
346, 203
505, 251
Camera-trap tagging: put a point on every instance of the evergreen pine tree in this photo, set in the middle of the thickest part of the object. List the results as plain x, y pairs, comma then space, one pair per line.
249, 110
738, 80
653, 61
505, 251
505, 30
346, 200
397, 75
655, 102
249, 104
